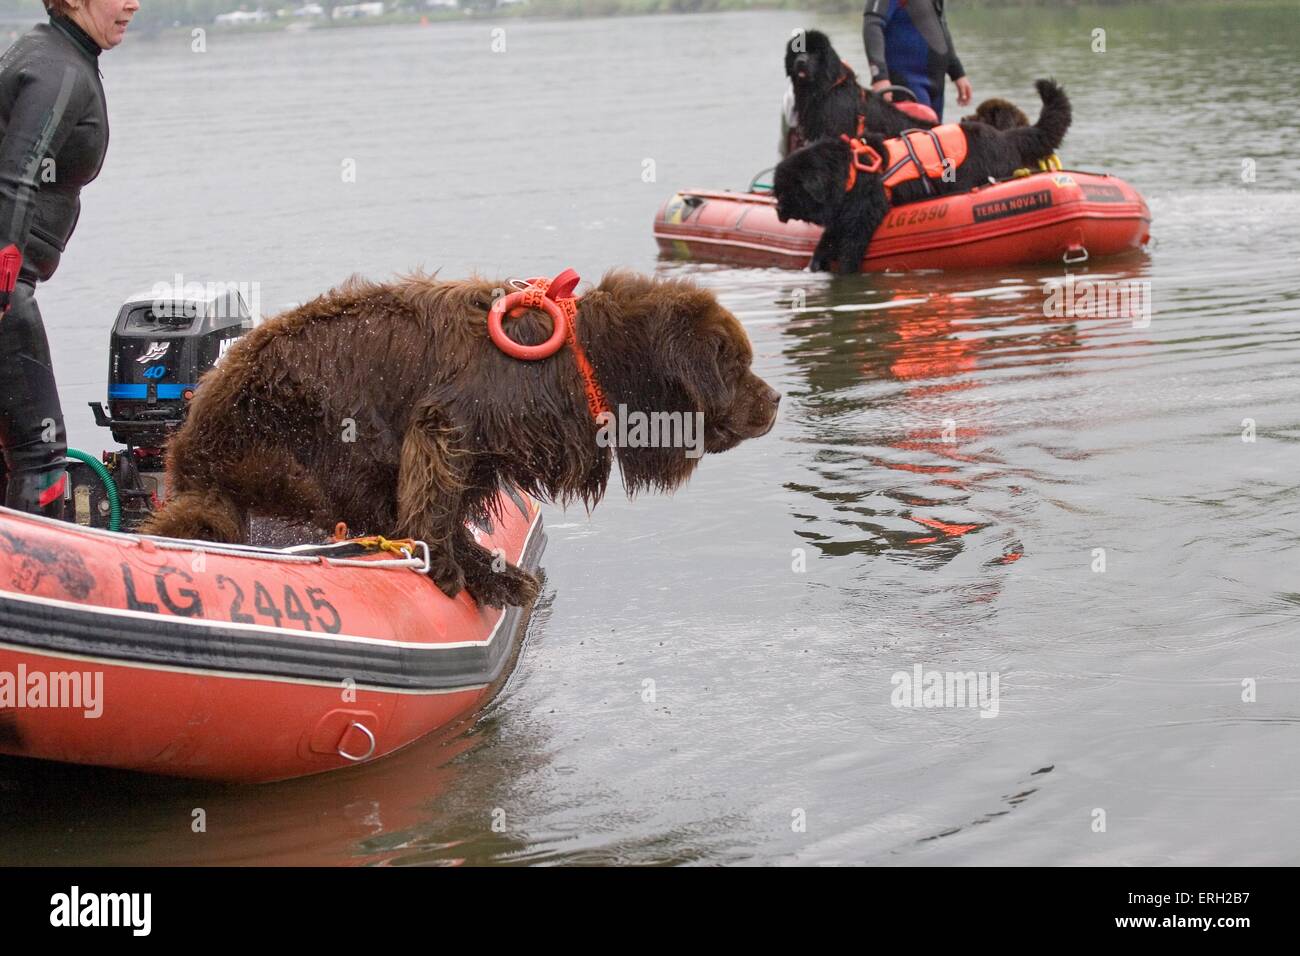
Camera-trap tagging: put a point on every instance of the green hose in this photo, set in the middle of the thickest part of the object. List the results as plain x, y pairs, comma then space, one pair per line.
114, 502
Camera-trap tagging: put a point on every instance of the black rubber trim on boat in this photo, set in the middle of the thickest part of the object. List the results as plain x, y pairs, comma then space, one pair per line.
164, 641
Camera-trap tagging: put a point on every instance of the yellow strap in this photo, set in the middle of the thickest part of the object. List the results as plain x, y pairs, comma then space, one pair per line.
377, 542
1050, 164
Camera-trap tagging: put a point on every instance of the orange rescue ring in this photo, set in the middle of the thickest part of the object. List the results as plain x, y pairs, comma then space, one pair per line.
860, 149
532, 298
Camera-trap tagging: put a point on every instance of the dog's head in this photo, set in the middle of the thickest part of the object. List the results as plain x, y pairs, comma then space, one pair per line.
811, 61
809, 183
675, 363
998, 113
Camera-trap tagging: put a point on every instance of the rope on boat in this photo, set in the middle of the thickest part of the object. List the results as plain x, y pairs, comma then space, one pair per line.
414, 554
417, 559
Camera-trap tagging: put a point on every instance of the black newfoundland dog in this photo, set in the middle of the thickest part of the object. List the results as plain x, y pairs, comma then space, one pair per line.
816, 184
827, 97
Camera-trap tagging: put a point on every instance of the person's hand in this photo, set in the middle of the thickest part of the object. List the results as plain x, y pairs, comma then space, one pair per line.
964, 92
883, 85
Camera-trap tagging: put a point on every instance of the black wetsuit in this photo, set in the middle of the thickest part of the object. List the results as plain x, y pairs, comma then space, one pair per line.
908, 43
53, 135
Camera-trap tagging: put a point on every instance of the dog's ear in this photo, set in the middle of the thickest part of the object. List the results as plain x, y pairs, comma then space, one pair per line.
706, 353
826, 61
687, 327
824, 181
822, 188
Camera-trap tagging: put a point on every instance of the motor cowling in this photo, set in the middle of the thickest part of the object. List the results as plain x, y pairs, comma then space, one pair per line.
161, 344
158, 350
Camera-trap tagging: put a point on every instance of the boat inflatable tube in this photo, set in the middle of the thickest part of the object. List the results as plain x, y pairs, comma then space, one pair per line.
236, 663
1061, 216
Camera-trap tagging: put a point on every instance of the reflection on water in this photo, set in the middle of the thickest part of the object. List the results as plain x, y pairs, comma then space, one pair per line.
905, 406
1100, 509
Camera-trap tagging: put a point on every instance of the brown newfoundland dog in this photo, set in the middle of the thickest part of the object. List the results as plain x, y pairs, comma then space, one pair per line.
387, 406
998, 113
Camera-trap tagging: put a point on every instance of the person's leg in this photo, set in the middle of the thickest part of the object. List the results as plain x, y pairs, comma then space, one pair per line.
31, 418
936, 99
936, 80
909, 56
918, 83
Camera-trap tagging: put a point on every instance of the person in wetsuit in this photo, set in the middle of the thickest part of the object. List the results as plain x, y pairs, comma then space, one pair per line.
908, 44
53, 135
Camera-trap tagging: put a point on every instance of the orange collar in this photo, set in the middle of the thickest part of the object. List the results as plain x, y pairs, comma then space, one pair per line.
554, 297
596, 401
847, 74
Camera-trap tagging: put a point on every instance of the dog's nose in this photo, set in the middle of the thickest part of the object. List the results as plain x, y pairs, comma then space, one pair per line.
774, 402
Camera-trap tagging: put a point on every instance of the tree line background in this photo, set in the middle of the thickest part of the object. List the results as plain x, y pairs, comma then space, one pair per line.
164, 13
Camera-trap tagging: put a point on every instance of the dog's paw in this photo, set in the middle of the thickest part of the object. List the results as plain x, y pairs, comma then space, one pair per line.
819, 264
511, 586
449, 578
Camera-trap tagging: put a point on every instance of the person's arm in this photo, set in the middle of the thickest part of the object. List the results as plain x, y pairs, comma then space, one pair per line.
789, 120
40, 121
874, 18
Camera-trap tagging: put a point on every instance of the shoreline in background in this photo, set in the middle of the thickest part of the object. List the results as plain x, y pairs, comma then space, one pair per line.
15, 16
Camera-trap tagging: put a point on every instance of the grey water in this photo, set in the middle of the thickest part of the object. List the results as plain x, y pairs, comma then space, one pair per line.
1102, 512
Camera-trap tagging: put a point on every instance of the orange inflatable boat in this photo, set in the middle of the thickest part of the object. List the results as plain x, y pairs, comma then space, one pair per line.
238, 663
1059, 216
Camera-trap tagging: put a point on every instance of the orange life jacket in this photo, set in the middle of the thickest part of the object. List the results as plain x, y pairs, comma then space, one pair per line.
917, 154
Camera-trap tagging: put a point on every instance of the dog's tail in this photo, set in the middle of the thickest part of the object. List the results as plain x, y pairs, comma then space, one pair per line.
1045, 137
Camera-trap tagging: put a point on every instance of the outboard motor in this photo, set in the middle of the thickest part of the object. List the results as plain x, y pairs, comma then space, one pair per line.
161, 343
